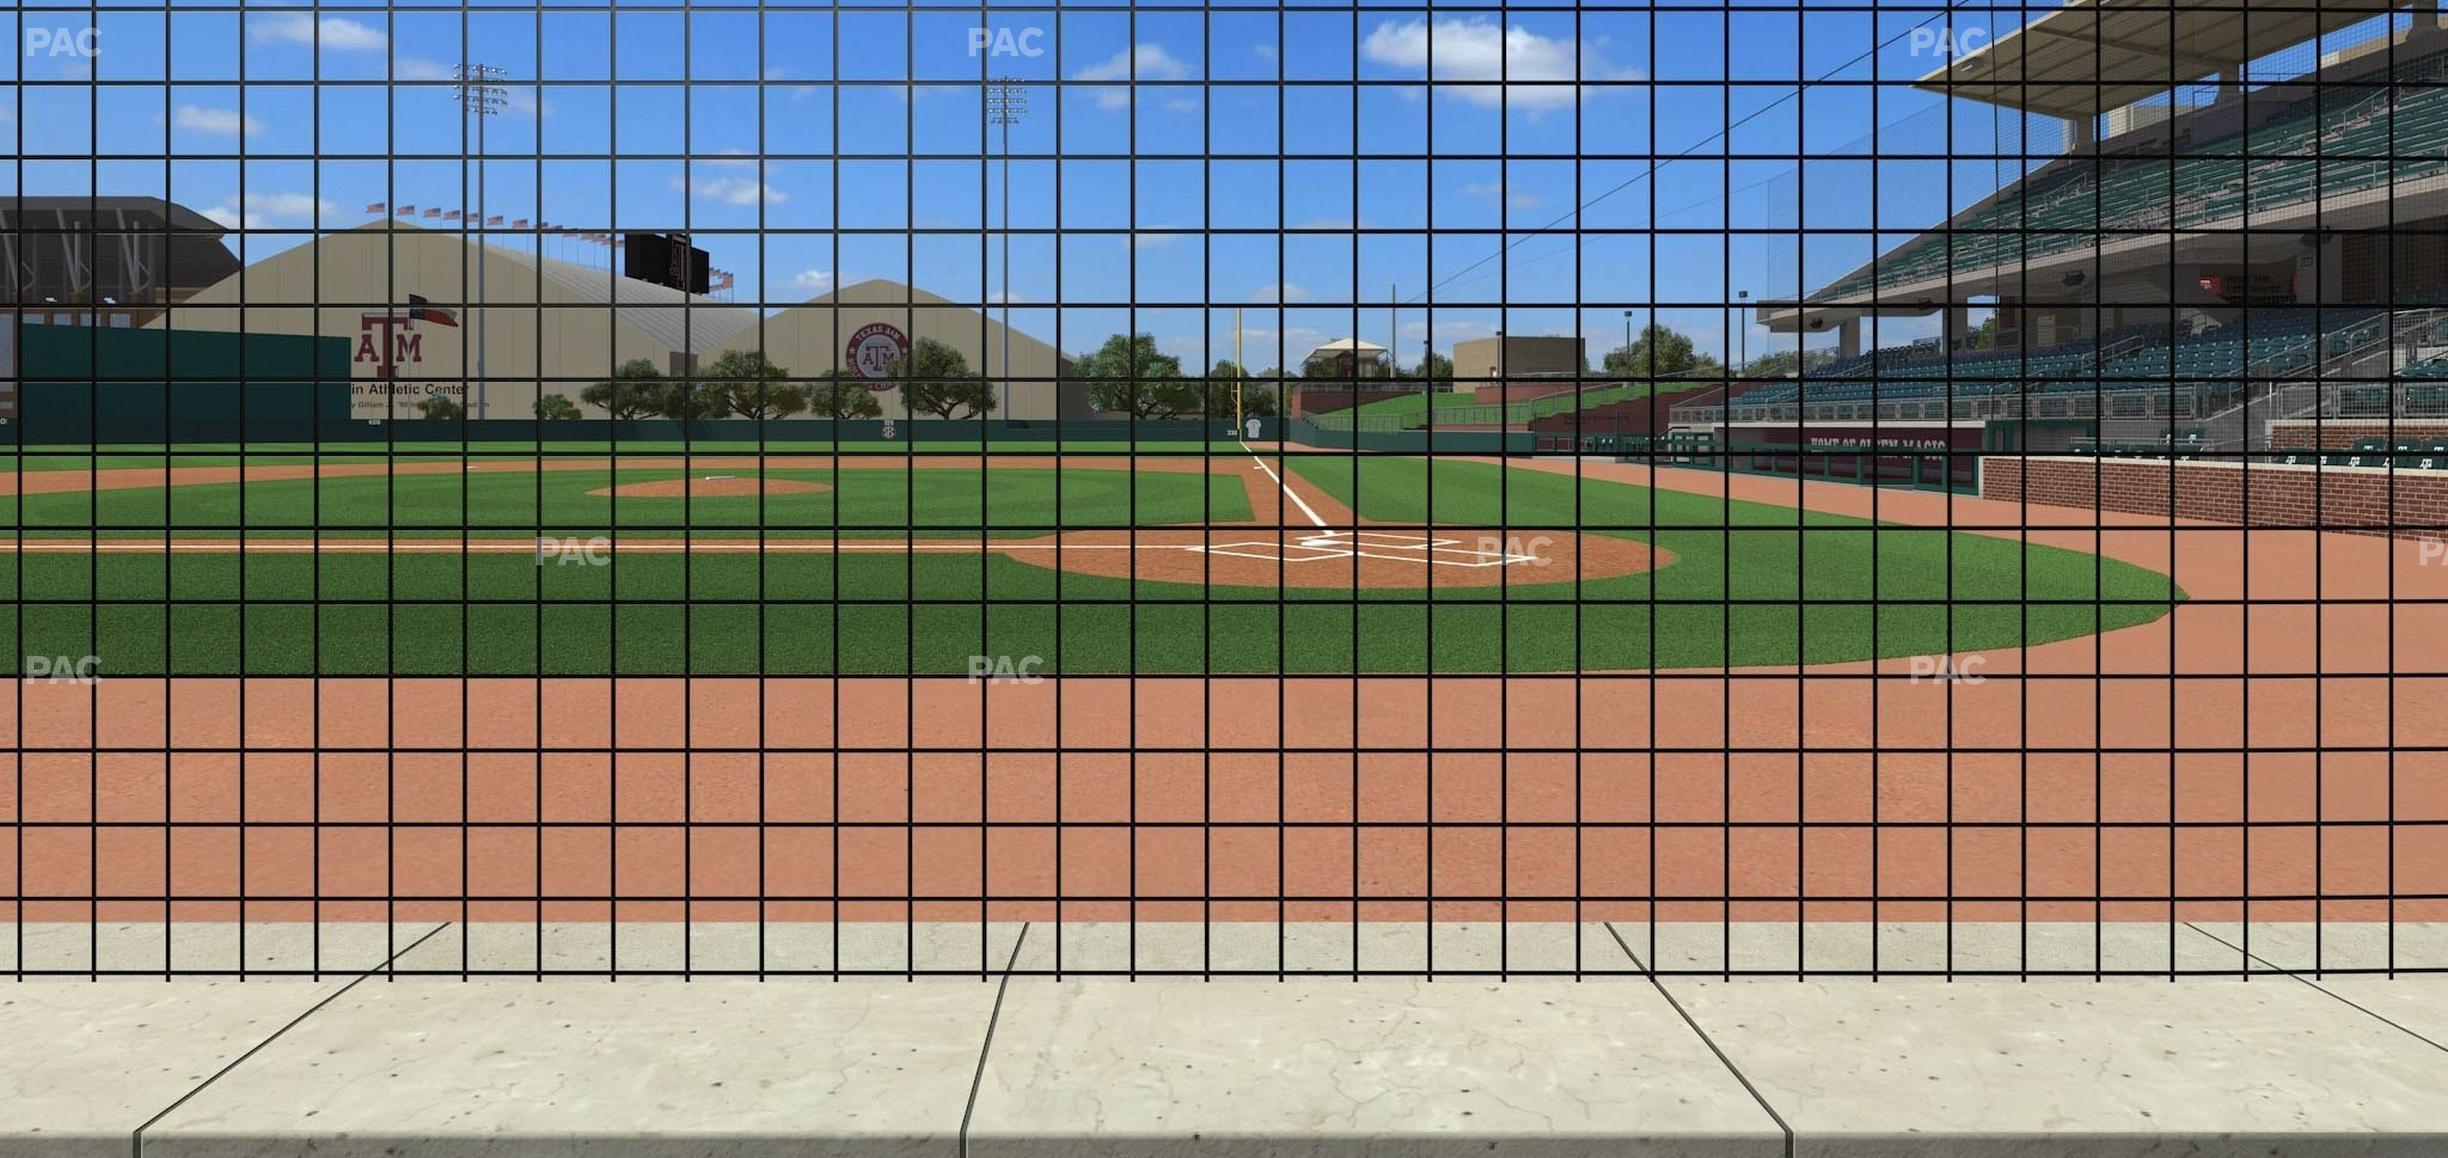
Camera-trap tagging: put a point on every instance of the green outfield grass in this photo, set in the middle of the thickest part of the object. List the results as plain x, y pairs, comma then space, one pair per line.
863, 501
1750, 584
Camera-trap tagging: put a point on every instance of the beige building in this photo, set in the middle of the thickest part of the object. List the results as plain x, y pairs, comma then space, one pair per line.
1485, 361
399, 294
864, 326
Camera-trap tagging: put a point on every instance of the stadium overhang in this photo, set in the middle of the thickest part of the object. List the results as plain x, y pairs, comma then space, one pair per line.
1788, 317
2093, 56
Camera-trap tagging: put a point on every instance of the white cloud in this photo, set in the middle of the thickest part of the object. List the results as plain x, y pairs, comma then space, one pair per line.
268, 211
1153, 240
1449, 331
1493, 190
814, 281
1138, 62
1531, 65
216, 122
334, 33
744, 188
1287, 292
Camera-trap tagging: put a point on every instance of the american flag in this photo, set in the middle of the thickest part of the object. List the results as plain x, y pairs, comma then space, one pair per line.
406, 211
493, 220
376, 207
431, 214
521, 223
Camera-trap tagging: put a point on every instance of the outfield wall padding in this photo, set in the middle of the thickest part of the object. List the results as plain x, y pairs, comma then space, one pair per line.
98, 385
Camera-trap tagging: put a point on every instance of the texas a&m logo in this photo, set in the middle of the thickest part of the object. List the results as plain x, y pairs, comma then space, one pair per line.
389, 341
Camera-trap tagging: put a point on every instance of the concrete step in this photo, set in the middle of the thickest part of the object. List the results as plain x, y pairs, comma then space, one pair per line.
1024, 1063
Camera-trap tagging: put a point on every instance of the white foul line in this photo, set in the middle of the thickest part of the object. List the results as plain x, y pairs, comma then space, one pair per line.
1287, 487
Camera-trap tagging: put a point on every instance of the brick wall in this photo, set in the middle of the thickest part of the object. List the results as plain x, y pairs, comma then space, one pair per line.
2342, 434
2334, 498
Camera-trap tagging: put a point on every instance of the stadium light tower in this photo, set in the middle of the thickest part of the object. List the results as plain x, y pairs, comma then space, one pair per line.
480, 96
1742, 322
1006, 103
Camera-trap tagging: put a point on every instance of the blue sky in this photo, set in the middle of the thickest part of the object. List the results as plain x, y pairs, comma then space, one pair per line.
226, 112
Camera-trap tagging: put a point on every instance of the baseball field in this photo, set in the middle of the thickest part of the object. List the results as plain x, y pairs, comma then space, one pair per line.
1298, 688
1176, 560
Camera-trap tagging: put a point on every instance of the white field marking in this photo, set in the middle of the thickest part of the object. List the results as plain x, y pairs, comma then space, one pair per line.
1317, 547
524, 546
1286, 487
1326, 545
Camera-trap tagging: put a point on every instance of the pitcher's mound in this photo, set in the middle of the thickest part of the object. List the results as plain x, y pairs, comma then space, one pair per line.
710, 487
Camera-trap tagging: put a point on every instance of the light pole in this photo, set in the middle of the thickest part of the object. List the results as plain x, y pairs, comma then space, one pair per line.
1006, 103
1627, 344
478, 95
1742, 322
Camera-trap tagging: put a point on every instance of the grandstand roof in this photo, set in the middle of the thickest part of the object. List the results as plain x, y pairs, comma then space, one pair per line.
2095, 55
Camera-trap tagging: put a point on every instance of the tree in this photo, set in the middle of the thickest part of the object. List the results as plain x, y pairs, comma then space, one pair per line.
1257, 401
767, 400
937, 380
1983, 336
693, 400
441, 406
556, 408
636, 390
844, 395
1658, 353
1786, 363
746, 383
1129, 374
1433, 368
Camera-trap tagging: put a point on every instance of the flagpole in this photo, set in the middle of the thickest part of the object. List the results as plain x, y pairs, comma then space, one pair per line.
479, 96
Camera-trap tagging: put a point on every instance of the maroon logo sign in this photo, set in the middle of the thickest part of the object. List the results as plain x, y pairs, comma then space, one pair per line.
873, 350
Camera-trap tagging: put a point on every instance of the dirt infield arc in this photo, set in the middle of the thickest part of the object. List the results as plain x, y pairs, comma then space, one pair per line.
2136, 776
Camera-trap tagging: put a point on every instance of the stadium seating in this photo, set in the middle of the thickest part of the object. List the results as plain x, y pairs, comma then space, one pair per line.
2212, 362
2077, 203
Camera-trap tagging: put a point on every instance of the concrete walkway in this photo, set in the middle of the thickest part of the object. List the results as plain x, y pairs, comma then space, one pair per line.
1013, 1061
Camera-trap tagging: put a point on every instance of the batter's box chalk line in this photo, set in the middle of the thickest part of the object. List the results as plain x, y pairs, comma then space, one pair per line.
1324, 545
